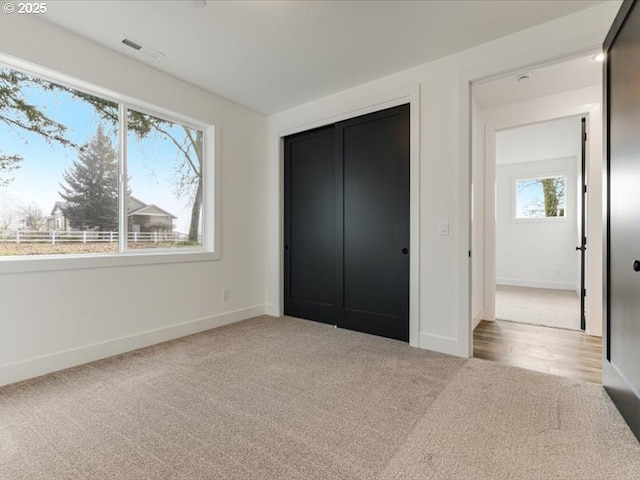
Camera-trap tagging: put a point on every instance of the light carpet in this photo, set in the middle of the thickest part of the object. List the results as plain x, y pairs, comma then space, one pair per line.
291, 399
538, 306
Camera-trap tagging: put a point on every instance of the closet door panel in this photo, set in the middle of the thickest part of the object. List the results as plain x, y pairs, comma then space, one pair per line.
374, 292
310, 225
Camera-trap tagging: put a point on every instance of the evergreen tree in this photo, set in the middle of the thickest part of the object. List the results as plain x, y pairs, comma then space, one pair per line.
91, 190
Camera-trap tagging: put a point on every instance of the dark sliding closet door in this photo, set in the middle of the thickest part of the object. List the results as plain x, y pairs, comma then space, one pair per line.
373, 223
347, 224
310, 225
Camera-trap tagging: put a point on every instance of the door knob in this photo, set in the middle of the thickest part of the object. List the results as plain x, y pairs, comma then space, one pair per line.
405, 251
636, 265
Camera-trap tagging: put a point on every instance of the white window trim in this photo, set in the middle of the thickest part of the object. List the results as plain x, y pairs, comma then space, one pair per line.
569, 207
211, 188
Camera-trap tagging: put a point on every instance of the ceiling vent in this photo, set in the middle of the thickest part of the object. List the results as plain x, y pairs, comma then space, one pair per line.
142, 48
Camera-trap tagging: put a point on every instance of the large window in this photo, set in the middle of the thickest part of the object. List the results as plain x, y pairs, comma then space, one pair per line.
85, 174
541, 197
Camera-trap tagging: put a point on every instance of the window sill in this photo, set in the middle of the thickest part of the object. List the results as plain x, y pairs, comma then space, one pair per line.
543, 220
32, 264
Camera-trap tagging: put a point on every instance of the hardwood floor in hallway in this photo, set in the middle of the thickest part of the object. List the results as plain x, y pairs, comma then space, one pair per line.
550, 350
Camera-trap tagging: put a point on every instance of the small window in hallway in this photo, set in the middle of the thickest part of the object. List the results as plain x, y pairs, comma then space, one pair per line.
542, 197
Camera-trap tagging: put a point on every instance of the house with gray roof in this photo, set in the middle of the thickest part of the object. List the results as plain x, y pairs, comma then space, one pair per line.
141, 217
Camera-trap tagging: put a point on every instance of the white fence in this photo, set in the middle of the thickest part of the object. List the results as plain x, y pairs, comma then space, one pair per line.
76, 236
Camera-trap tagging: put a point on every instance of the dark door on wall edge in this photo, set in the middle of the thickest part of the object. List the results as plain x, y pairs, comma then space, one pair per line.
621, 341
347, 224
583, 223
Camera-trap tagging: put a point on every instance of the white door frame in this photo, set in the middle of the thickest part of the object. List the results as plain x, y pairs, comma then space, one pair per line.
511, 65
490, 194
401, 96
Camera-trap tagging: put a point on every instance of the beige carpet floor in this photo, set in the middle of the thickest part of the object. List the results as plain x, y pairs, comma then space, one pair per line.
538, 306
292, 399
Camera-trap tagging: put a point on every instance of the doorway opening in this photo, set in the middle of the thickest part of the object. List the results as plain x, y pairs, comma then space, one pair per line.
532, 215
538, 222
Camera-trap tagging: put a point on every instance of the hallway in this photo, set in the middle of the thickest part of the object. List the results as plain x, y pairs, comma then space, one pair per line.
550, 350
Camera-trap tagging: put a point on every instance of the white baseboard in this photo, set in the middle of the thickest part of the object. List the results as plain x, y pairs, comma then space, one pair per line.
440, 344
34, 367
511, 282
271, 310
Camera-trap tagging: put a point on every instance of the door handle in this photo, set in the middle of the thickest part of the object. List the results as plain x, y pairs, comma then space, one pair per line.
636, 265
582, 249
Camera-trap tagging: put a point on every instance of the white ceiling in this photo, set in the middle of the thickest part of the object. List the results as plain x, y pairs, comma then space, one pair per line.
559, 77
273, 55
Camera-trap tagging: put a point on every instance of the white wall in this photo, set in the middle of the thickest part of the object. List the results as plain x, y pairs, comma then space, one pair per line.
444, 161
51, 320
585, 101
536, 253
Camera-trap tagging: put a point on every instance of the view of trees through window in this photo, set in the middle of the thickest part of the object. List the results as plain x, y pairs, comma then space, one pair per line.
164, 161
541, 197
60, 173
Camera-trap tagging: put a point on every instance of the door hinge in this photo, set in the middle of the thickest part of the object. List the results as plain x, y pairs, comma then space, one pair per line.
585, 136
584, 292
469, 253
585, 189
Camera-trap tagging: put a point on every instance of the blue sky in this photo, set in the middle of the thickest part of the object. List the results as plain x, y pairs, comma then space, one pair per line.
151, 161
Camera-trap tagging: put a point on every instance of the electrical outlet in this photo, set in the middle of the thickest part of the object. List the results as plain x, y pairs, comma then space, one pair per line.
225, 295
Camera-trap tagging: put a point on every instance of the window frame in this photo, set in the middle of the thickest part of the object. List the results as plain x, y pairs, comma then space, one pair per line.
569, 210
211, 183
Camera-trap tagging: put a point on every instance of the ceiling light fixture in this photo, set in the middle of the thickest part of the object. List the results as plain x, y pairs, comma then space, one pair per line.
599, 57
